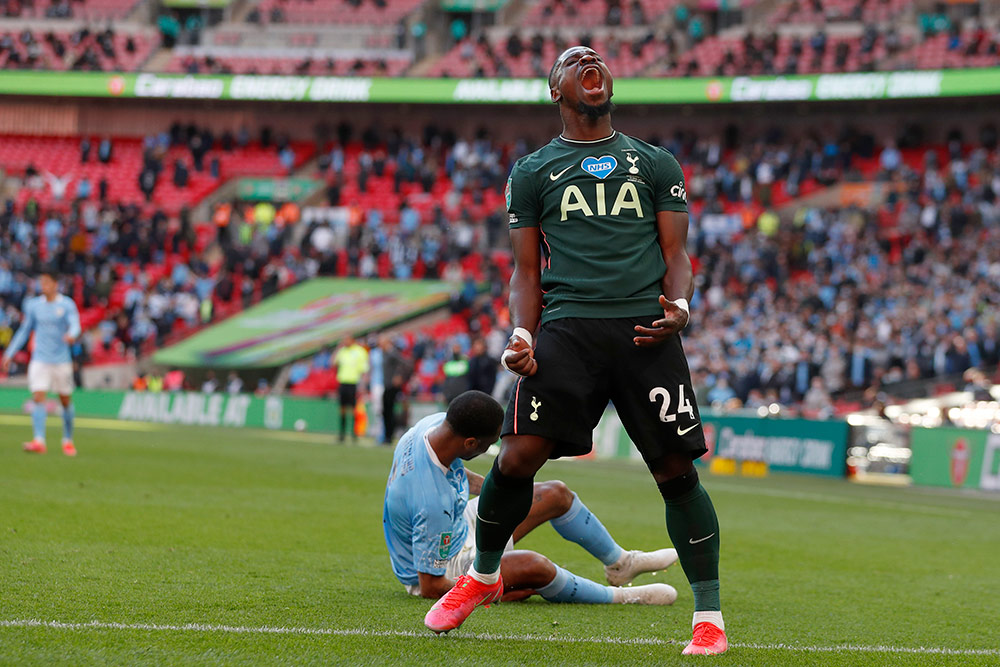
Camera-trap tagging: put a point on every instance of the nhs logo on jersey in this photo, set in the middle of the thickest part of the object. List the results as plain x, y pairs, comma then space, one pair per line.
599, 166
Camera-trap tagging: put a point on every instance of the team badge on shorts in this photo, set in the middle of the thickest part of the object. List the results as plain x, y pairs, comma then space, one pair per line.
445, 548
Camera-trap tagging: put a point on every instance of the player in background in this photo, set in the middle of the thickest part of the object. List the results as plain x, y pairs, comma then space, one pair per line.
598, 224
429, 521
351, 361
56, 323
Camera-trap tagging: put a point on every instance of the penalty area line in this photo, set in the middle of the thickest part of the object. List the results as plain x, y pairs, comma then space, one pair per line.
481, 636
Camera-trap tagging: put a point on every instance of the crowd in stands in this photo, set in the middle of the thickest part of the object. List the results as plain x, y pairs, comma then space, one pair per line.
84, 49
637, 37
91, 10
371, 12
142, 272
171, 169
855, 296
307, 66
850, 296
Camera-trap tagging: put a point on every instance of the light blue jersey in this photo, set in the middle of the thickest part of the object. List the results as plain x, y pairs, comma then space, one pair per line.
51, 321
422, 517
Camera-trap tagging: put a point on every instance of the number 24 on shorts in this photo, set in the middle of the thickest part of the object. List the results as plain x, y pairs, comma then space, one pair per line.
683, 404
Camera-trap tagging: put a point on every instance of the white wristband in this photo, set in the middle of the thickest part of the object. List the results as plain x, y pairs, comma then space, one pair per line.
682, 303
523, 334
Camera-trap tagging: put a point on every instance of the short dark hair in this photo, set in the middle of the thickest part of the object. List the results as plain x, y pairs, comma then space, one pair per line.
474, 414
48, 271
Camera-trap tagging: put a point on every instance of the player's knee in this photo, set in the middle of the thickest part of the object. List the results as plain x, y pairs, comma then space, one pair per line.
542, 571
558, 496
517, 463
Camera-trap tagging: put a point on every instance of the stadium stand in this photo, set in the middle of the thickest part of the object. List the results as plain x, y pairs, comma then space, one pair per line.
818, 12
54, 170
975, 48
90, 10
516, 56
365, 12
780, 55
430, 205
314, 65
82, 50
590, 13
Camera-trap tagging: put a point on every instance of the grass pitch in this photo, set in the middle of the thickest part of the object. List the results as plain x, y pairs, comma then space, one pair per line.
178, 545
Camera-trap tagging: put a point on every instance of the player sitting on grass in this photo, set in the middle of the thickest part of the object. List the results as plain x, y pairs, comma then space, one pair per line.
429, 521
56, 323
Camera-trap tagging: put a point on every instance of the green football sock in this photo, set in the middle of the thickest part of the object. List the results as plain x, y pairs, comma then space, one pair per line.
694, 529
504, 502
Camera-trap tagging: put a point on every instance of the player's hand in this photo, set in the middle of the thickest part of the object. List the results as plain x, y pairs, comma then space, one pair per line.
69, 339
674, 319
519, 358
5, 365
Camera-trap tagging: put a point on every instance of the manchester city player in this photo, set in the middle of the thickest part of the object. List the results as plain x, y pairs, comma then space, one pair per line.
429, 520
56, 323
598, 297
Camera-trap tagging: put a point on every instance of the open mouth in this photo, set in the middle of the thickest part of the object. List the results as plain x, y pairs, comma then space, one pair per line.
592, 79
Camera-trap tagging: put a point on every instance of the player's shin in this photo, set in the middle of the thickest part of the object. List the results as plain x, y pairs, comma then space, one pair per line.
38, 421
580, 525
694, 529
503, 504
67, 415
568, 587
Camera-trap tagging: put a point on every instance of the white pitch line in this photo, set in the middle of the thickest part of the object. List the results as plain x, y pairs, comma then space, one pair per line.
481, 636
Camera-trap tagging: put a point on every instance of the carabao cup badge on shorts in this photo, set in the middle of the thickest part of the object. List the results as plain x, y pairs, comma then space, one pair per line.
600, 167
445, 547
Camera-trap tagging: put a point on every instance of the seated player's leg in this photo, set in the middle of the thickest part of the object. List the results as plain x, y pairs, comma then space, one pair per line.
549, 501
526, 573
553, 501
653, 395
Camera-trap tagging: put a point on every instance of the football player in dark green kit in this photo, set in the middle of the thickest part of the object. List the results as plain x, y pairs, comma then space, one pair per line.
599, 294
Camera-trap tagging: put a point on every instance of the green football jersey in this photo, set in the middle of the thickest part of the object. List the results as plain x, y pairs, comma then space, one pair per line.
595, 204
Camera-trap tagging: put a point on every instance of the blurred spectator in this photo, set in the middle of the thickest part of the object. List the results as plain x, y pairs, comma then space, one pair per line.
234, 384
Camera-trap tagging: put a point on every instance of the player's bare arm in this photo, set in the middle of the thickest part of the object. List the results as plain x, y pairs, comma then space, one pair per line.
475, 482
525, 298
672, 228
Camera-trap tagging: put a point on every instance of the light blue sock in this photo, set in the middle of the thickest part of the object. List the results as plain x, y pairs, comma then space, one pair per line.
68, 414
567, 587
581, 526
38, 421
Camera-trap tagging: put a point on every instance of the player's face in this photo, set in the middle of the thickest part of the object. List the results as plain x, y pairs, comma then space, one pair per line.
48, 286
583, 82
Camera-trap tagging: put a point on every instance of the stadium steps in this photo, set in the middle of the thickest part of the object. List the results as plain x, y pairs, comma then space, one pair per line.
157, 61
424, 67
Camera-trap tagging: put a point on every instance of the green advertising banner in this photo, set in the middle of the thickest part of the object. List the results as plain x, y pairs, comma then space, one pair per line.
276, 189
194, 409
704, 90
956, 458
304, 319
786, 445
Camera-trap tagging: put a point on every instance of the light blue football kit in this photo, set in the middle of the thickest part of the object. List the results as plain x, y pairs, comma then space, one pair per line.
51, 361
427, 523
